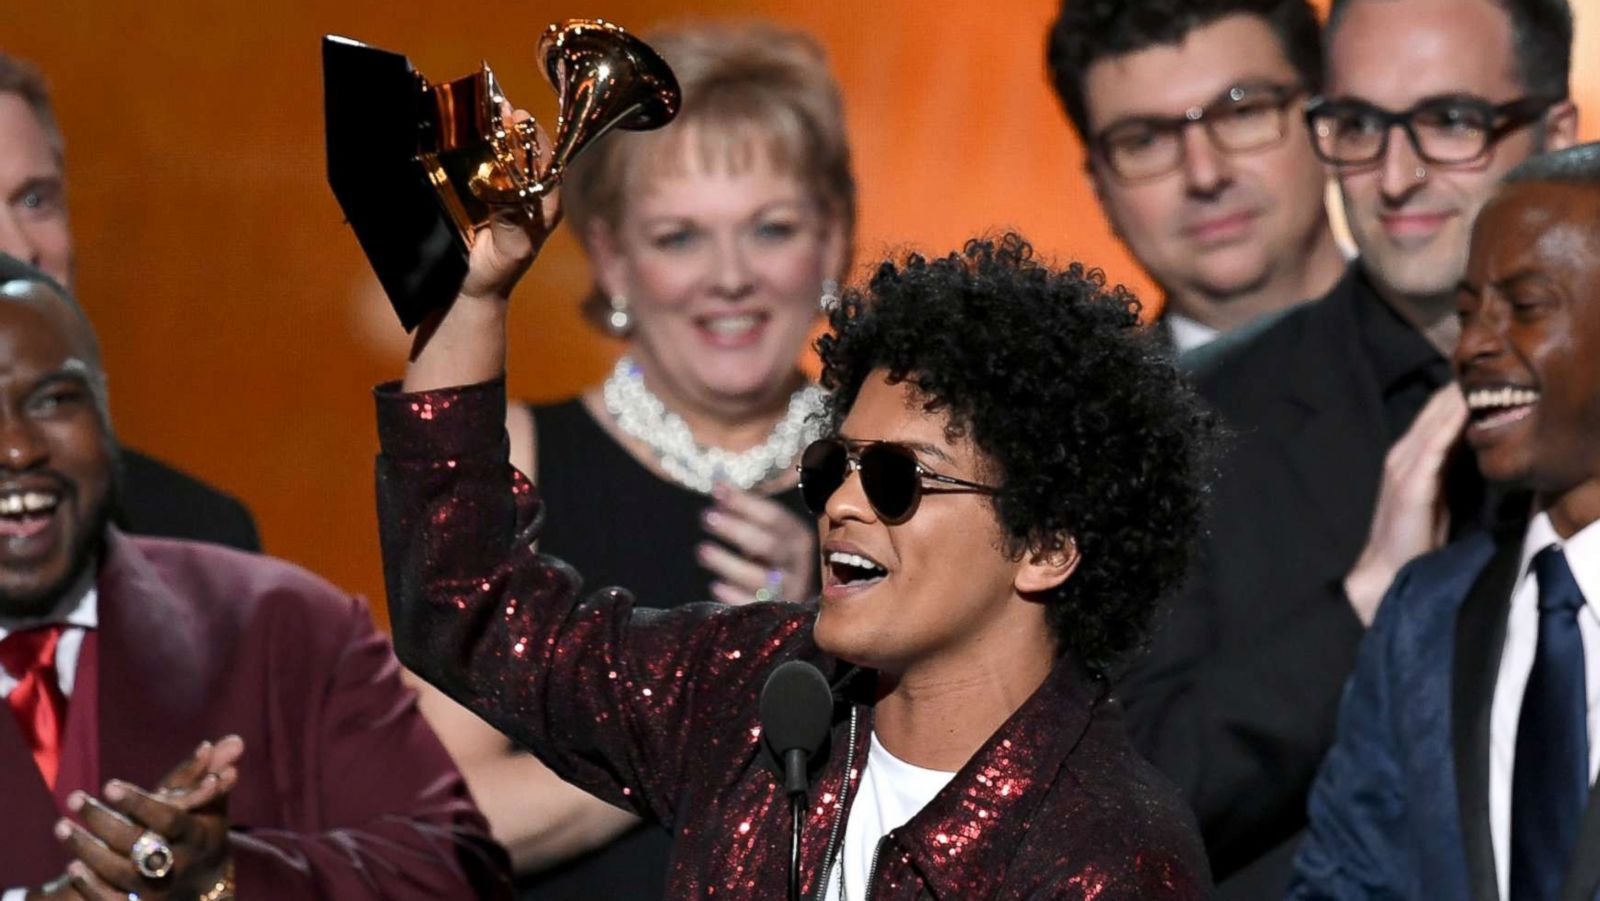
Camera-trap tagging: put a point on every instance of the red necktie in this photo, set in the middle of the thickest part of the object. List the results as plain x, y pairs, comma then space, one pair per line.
37, 703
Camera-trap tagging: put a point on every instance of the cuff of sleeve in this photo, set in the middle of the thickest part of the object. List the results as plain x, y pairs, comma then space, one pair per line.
448, 422
262, 870
14, 894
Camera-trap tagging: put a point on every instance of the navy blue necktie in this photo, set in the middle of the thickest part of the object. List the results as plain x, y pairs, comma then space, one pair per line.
1550, 774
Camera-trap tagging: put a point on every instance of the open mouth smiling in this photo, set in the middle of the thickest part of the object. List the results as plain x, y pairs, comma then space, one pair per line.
1497, 407
26, 512
853, 570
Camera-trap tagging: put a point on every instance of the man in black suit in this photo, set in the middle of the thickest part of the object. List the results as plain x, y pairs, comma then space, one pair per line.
1428, 103
1189, 111
152, 498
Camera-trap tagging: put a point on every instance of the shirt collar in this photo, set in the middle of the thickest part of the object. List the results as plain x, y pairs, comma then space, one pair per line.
79, 607
1581, 550
1187, 334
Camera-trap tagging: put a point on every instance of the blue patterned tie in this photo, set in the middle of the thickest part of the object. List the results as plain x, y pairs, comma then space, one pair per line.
1550, 775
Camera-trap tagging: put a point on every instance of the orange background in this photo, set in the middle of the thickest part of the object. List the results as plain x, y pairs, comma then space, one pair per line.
241, 325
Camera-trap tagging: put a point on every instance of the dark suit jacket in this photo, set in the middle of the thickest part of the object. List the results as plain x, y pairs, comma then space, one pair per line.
155, 499
344, 792
1237, 696
1400, 808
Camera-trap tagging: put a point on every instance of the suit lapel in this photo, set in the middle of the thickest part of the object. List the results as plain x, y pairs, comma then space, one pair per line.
155, 670
1335, 433
1475, 666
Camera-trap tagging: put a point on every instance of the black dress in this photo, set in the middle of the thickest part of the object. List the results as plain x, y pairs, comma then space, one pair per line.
618, 523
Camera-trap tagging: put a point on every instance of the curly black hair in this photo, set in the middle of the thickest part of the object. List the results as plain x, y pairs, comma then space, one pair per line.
1087, 31
1093, 435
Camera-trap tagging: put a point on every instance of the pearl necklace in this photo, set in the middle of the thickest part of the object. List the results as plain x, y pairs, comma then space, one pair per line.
642, 415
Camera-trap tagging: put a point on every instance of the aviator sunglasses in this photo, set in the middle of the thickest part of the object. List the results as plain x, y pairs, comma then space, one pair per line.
891, 476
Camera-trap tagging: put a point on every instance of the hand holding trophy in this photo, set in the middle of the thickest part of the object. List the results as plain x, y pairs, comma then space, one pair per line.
448, 191
502, 249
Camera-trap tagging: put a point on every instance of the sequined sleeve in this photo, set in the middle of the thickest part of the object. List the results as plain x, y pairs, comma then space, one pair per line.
616, 700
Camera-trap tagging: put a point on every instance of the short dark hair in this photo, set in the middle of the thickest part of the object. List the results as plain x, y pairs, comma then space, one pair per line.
18, 76
1579, 165
1541, 40
1088, 31
1093, 435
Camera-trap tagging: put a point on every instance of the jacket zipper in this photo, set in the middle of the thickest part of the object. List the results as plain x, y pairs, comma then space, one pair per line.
872, 871
838, 817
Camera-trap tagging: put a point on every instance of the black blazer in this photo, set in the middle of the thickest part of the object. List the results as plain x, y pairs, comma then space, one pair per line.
155, 499
1237, 697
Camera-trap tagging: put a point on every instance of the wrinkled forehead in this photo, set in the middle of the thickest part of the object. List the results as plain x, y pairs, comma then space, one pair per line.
1394, 53
1535, 225
56, 315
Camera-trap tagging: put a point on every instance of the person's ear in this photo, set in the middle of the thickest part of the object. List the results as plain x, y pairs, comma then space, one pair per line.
1043, 570
606, 258
1561, 126
835, 246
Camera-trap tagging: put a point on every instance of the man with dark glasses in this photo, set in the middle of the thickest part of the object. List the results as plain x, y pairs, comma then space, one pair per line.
1012, 482
1190, 114
1347, 462
891, 476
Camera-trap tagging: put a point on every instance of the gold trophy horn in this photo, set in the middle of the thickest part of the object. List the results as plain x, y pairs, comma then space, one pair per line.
383, 133
604, 77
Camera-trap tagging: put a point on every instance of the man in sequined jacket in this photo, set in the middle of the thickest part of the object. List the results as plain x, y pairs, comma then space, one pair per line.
1012, 486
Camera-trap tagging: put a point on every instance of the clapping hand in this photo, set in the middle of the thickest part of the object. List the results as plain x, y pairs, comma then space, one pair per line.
1411, 517
168, 843
770, 553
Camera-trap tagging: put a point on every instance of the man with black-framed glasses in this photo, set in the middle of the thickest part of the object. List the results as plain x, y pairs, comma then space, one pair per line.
1347, 462
1189, 111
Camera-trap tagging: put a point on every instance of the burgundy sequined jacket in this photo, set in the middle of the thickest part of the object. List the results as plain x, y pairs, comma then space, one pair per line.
656, 710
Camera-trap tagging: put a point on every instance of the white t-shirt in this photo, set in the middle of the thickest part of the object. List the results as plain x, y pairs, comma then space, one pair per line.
891, 792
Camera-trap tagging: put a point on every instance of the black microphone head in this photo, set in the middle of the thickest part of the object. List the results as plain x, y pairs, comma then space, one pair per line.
796, 709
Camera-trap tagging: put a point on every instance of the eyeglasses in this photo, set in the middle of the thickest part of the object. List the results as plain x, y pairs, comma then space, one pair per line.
1243, 118
891, 476
1442, 130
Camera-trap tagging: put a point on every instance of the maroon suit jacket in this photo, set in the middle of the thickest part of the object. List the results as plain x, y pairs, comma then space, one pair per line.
344, 791
656, 710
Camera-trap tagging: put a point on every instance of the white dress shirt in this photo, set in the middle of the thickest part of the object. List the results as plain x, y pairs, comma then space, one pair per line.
1187, 334
1516, 662
79, 610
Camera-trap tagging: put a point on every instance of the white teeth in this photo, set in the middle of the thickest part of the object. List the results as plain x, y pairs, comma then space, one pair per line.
1488, 398
34, 501
854, 560
731, 325
26, 502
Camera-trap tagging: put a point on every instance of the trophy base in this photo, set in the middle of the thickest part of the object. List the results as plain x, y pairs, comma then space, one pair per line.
376, 108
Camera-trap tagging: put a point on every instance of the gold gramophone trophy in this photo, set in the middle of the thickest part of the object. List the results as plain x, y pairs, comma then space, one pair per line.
417, 167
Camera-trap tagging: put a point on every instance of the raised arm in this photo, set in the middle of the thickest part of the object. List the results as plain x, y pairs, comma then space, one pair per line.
612, 699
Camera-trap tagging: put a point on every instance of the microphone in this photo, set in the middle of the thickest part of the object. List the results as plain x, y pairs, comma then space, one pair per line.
796, 710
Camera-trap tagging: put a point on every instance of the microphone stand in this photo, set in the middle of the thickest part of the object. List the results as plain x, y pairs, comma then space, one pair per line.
796, 710
794, 782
